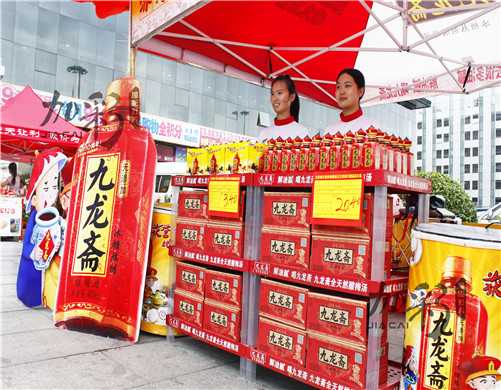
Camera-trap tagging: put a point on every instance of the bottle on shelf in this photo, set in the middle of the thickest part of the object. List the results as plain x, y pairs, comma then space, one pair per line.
335, 152
371, 155
286, 155
276, 159
358, 150
314, 154
302, 163
324, 153
409, 157
347, 151
268, 156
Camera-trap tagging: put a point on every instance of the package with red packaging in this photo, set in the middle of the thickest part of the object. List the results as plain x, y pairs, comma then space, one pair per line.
283, 302
291, 209
189, 307
285, 342
337, 317
223, 287
190, 277
192, 204
289, 247
340, 256
223, 320
225, 239
239, 219
190, 234
342, 362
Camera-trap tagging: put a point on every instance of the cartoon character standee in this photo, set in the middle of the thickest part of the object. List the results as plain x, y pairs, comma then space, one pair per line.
411, 376
42, 237
482, 372
150, 282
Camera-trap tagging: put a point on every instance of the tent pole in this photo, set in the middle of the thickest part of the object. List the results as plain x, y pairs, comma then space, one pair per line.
131, 51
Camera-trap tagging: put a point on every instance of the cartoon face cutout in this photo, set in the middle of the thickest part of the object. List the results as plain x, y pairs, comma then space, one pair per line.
150, 282
47, 190
483, 382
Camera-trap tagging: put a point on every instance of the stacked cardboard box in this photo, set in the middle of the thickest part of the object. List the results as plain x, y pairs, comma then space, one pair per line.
192, 220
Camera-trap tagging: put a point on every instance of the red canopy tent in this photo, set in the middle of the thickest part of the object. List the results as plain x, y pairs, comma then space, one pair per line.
27, 124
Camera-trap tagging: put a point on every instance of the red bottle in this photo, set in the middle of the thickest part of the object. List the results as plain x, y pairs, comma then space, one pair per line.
397, 162
302, 162
103, 269
286, 155
372, 150
324, 153
347, 151
314, 154
294, 158
357, 162
276, 157
455, 328
335, 152
268, 156
409, 157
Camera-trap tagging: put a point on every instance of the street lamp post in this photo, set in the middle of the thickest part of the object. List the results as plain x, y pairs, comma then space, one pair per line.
77, 69
244, 113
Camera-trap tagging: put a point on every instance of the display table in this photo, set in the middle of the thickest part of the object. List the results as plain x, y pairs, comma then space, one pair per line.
11, 216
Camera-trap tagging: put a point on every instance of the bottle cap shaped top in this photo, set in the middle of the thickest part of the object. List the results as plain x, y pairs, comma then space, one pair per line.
124, 98
455, 268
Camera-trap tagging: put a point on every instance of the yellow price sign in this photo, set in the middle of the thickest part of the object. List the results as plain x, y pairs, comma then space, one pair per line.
337, 199
224, 196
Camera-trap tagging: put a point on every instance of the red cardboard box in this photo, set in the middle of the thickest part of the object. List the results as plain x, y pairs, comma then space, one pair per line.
223, 287
340, 318
342, 362
239, 220
190, 278
285, 342
190, 234
188, 307
225, 239
341, 256
283, 302
223, 320
286, 247
192, 204
291, 209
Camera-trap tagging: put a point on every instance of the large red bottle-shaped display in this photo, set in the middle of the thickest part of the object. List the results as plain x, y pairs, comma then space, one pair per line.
105, 254
455, 329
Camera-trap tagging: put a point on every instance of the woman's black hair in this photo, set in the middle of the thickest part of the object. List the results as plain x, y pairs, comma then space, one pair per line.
291, 87
13, 172
357, 76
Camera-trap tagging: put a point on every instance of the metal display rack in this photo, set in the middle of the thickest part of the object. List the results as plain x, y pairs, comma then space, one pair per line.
379, 182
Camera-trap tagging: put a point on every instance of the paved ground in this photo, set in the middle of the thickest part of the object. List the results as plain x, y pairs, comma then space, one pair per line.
37, 355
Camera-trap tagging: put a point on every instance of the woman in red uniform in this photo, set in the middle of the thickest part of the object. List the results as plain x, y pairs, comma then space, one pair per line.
285, 103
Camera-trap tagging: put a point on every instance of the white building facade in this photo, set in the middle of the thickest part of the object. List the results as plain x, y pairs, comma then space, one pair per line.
461, 136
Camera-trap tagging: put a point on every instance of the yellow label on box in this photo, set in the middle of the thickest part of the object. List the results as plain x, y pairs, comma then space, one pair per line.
196, 161
96, 215
224, 195
216, 158
338, 197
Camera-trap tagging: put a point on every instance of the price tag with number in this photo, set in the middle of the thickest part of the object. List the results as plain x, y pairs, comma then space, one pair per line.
337, 199
224, 196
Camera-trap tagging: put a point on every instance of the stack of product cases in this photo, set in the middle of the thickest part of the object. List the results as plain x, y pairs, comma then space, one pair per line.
206, 297
314, 328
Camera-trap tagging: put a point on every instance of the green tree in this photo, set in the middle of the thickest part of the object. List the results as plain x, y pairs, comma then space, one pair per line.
457, 200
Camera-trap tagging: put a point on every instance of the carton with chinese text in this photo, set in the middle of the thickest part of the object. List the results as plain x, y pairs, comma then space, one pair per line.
190, 277
216, 159
225, 239
286, 247
287, 209
223, 320
190, 234
189, 307
224, 287
192, 204
197, 161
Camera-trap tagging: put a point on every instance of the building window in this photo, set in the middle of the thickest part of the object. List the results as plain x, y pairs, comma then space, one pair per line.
498, 167
439, 169
467, 135
498, 184
446, 121
467, 168
446, 137
475, 134
498, 132
466, 185
498, 150
475, 116
419, 155
467, 152
474, 185
446, 153
498, 115
420, 140
467, 120
446, 169
474, 200
439, 122
439, 137
420, 125
419, 169
474, 168
497, 200
439, 154
475, 151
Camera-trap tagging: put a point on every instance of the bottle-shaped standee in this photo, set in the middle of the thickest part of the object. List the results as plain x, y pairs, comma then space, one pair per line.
357, 161
302, 162
347, 151
276, 158
335, 152
455, 328
324, 153
105, 254
286, 155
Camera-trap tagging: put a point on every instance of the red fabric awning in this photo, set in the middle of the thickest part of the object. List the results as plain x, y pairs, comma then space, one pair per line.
106, 8
27, 125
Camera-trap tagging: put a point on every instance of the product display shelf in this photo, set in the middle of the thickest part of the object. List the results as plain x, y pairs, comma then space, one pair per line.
380, 183
208, 337
211, 259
